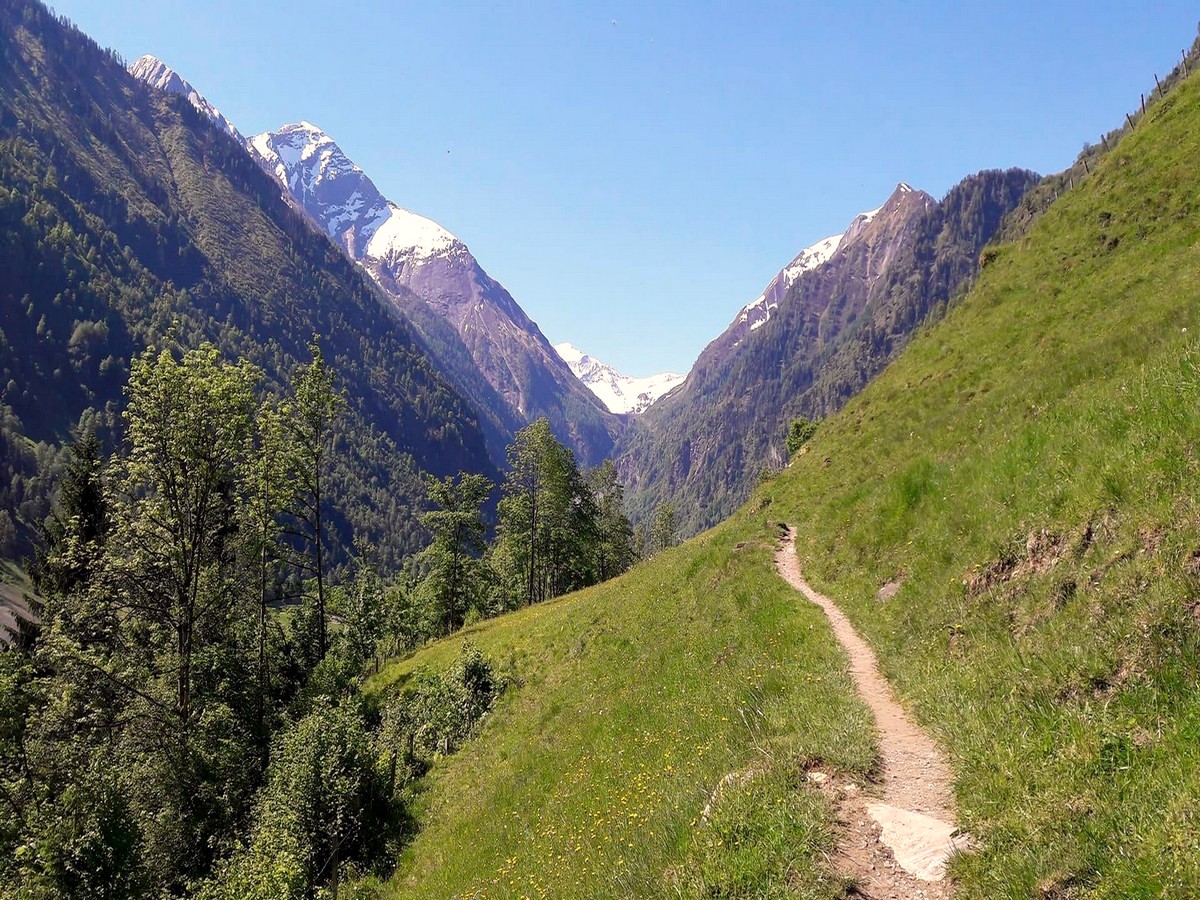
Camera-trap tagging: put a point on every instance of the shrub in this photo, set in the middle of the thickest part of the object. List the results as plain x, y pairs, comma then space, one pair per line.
799, 434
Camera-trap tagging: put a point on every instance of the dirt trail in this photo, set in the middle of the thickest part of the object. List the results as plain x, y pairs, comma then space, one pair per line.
897, 845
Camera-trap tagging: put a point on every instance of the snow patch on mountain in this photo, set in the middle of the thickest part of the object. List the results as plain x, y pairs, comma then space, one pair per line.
757, 313
405, 233
340, 196
302, 156
620, 393
811, 257
156, 73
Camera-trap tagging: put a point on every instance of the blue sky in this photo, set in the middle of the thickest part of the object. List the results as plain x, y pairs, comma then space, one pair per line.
636, 172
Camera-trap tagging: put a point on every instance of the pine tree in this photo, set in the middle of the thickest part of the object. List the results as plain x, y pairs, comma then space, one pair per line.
455, 577
614, 543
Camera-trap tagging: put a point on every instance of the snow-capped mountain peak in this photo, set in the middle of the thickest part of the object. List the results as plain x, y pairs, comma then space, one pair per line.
302, 150
345, 202
620, 393
509, 368
156, 73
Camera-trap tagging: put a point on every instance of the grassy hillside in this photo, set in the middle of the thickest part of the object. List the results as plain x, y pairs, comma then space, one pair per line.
631, 702
1029, 468
836, 327
1028, 471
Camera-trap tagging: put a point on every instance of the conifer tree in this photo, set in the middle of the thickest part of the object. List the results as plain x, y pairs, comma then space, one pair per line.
454, 579
614, 535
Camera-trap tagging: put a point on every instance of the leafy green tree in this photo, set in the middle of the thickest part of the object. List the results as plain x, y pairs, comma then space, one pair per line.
664, 531
614, 536
453, 561
436, 714
401, 620
137, 752
267, 477
362, 611
311, 415
70, 828
799, 433
640, 542
547, 528
8, 532
190, 433
178, 569
320, 809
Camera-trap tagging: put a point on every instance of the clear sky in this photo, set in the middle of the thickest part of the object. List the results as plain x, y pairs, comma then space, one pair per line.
635, 172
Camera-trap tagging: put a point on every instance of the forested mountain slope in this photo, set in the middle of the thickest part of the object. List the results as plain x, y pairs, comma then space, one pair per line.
1021, 479
127, 219
479, 337
829, 330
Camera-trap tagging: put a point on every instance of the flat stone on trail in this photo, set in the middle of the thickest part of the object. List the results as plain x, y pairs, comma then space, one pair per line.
921, 844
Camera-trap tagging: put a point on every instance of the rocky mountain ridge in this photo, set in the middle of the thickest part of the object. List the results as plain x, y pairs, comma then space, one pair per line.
133, 220
154, 72
821, 333
900, 204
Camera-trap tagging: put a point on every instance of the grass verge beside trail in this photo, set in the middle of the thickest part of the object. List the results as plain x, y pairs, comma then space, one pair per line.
632, 701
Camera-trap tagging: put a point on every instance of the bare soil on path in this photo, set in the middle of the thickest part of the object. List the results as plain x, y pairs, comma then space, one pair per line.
895, 845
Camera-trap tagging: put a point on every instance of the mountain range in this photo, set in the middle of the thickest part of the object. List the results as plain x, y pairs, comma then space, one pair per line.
131, 220
822, 326
817, 324
828, 320
998, 502
619, 393
492, 351
825, 324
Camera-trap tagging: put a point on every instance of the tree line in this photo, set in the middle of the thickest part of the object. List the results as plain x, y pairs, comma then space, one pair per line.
559, 529
194, 667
